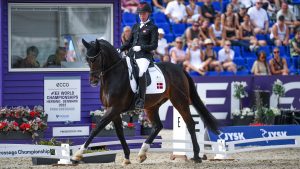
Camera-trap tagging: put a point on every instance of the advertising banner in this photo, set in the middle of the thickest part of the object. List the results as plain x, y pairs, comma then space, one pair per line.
62, 98
235, 133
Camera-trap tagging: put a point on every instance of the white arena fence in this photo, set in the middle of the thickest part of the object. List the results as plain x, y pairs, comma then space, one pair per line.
220, 148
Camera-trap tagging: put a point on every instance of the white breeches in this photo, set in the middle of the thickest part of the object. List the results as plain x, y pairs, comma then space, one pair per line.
143, 65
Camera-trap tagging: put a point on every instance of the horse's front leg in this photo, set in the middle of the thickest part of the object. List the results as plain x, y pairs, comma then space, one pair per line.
119, 130
153, 116
106, 119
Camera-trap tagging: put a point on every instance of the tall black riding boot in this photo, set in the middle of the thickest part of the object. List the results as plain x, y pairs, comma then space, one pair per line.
139, 104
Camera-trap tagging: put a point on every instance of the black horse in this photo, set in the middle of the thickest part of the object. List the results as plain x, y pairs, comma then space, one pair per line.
111, 70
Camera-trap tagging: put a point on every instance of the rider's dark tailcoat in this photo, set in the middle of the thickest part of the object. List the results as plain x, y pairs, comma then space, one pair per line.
146, 37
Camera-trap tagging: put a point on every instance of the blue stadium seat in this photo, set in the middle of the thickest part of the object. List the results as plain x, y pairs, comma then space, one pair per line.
261, 37
239, 61
216, 5
296, 62
226, 73
129, 18
165, 27
243, 73
160, 17
169, 37
266, 49
194, 73
237, 51
249, 62
200, 3
212, 73
178, 29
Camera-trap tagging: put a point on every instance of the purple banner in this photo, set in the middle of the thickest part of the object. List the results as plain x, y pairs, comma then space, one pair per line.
216, 92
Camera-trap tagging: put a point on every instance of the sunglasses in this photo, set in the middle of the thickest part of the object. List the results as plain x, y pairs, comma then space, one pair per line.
276, 51
178, 42
259, 3
228, 44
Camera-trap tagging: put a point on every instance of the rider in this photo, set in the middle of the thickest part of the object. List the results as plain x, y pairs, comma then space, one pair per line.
143, 40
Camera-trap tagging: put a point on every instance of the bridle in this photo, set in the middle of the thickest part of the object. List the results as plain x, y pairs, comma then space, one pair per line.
101, 72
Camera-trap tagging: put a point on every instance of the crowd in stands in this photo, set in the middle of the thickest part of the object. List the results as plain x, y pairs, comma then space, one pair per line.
227, 37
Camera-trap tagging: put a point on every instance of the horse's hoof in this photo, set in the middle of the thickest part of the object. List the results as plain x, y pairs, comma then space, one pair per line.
142, 158
126, 162
196, 160
204, 157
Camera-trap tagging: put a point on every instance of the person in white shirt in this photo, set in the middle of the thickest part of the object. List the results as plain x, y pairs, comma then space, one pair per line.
280, 34
226, 56
195, 58
259, 18
289, 16
161, 51
176, 11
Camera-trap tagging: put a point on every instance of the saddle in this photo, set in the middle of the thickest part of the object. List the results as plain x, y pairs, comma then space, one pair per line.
155, 79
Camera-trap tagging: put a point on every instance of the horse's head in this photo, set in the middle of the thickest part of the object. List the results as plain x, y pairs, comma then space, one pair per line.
93, 57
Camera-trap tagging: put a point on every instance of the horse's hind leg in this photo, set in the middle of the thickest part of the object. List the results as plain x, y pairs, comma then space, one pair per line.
181, 102
119, 130
153, 116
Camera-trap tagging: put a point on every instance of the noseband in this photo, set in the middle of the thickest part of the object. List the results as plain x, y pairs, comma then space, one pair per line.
101, 72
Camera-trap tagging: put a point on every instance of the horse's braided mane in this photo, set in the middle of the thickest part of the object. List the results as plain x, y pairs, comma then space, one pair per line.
109, 46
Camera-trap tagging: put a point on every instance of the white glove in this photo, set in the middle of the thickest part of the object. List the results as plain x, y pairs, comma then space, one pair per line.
118, 50
136, 48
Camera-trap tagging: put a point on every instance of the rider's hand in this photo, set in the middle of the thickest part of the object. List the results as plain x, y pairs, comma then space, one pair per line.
136, 48
119, 50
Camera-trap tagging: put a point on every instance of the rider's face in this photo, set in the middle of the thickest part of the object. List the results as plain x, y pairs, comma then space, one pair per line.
144, 16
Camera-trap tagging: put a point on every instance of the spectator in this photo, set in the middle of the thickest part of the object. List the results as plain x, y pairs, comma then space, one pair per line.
247, 36
193, 10
204, 30
194, 58
295, 48
232, 35
242, 12
215, 31
56, 59
259, 18
129, 5
226, 56
30, 60
208, 11
295, 44
158, 6
210, 56
236, 5
248, 3
192, 32
289, 16
278, 65
125, 34
280, 33
161, 51
177, 53
260, 66
229, 17
176, 11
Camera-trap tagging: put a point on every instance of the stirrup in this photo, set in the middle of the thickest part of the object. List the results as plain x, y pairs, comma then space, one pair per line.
139, 104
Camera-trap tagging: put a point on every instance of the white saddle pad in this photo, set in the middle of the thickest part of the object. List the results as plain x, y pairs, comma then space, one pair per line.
158, 83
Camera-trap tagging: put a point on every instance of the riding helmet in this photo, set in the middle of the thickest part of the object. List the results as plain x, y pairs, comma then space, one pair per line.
144, 7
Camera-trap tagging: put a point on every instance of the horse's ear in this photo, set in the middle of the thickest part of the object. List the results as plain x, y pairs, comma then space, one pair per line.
85, 43
97, 43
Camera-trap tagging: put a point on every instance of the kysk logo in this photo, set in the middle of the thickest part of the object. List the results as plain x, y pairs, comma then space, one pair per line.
62, 116
235, 136
272, 134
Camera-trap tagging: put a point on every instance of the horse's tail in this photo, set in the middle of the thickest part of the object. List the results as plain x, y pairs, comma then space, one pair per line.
209, 120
